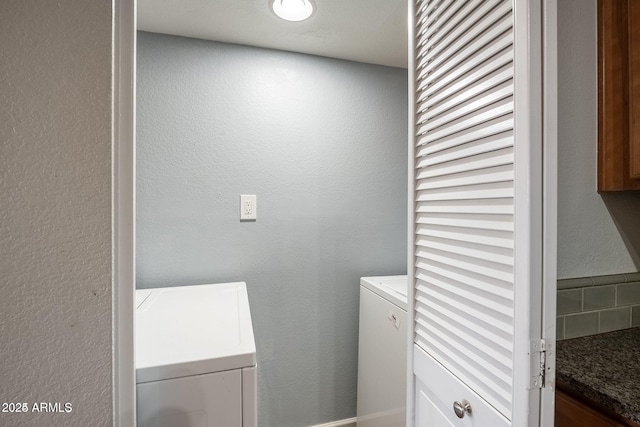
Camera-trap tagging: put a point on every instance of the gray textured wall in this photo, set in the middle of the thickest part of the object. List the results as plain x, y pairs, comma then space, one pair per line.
322, 143
597, 234
55, 210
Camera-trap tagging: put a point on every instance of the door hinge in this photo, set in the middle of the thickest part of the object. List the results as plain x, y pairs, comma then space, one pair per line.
538, 363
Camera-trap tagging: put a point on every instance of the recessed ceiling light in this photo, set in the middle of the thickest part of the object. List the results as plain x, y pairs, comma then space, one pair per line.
292, 10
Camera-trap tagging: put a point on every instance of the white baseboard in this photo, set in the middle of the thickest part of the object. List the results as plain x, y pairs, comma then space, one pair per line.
349, 422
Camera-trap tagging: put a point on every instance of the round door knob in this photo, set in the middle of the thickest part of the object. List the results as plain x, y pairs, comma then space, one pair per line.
461, 408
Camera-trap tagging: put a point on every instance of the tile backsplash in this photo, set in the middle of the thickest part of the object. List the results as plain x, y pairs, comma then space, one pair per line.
592, 305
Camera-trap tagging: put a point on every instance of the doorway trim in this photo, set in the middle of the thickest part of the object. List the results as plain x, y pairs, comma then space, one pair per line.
123, 210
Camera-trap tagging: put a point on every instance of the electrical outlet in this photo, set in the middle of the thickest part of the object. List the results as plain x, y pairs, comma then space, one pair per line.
247, 207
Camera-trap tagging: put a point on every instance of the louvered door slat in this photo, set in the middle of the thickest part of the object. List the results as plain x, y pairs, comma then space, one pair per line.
429, 11
495, 48
464, 189
448, 15
434, 108
491, 173
473, 338
483, 130
469, 56
466, 361
491, 206
483, 305
475, 30
488, 271
501, 239
483, 146
492, 111
478, 191
483, 99
434, 168
452, 25
470, 341
495, 288
499, 255
485, 221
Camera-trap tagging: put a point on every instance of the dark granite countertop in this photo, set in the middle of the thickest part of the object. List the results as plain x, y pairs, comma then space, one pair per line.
604, 368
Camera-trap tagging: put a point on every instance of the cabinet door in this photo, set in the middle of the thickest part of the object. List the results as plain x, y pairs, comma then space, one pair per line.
634, 88
427, 411
437, 391
479, 169
618, 95
570, 413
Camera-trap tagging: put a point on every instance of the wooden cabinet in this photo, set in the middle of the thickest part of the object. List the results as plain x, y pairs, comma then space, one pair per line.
571, 412
618, 95
634, 87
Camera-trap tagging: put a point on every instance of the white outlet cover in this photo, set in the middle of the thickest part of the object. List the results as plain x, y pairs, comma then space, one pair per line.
248, 205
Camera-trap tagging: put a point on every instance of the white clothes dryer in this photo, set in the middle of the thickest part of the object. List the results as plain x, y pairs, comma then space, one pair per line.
382, 352
195, 357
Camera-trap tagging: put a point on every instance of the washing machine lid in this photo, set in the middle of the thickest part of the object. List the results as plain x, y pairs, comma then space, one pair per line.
392, 288
192, 330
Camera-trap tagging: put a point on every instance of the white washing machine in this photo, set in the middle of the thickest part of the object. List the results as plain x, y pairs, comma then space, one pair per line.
382, 352
195, 357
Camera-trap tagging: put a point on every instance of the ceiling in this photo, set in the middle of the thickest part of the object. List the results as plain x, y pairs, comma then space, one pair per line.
371, 31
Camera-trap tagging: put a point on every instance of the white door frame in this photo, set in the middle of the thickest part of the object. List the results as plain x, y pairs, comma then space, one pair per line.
123, 210
528, 152
550, 197
538, 26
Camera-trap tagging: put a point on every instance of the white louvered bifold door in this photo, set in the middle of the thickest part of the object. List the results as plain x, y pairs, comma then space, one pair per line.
477, 211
